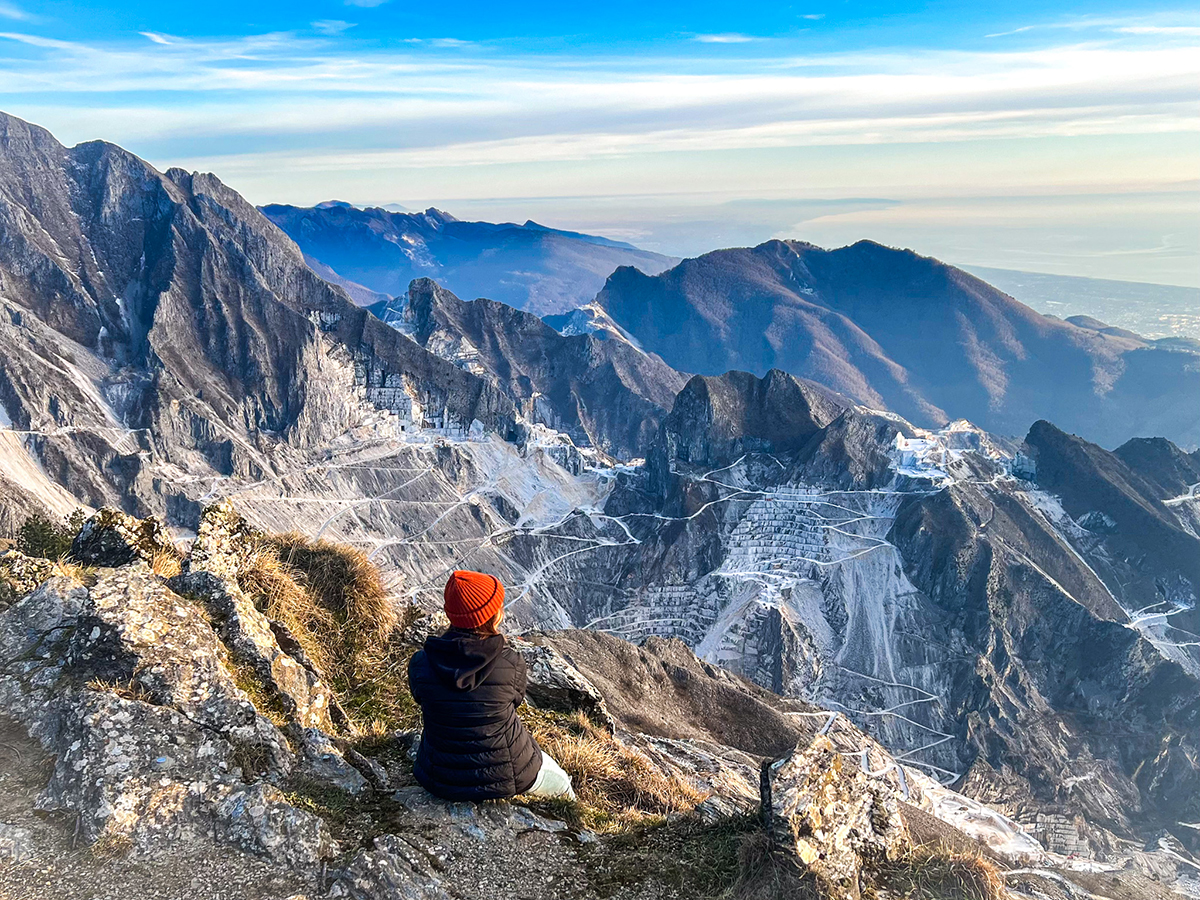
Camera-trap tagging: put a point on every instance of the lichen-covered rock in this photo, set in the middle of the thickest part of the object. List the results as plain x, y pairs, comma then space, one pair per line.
127, 684
223, 542
257, 818
252, 640
397, 869
320, 760
150, 774
556, 684
134, 630
830, 817
112, 538
20, 574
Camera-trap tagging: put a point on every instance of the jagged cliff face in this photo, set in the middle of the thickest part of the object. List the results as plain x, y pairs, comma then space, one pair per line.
602, 393
158, 329
894, 330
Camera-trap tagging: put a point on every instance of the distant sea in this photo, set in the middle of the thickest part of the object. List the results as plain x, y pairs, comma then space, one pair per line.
1151, 310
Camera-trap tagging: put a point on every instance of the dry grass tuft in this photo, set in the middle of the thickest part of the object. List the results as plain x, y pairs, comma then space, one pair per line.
615, 785
935, 872
67, 567
346, 581
279, 591
111, 847
928, 872
335, 603
166, 562
765, 875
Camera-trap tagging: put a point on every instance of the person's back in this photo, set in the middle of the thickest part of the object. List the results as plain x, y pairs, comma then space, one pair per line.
469, 683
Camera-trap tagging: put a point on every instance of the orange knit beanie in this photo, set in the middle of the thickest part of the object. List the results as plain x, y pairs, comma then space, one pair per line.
472, 598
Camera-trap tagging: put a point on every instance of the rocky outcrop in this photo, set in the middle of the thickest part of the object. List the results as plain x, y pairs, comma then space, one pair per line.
603, 393
831, 818
111, 538
128, 684
715, 420
556, 684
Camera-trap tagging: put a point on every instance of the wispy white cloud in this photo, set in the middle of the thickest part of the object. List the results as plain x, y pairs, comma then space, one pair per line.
1023, 28
728, 38
439, 42
332, 26
813, 16
34, 40
1181, 30
11, 11
367, 4
1117, 26
157, 38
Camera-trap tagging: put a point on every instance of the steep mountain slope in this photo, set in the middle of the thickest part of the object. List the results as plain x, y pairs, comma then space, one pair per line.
158, 330
527, 266
952, 610
898, 331
603, 393
1133, 515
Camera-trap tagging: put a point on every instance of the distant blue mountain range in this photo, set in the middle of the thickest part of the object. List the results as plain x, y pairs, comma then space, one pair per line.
374, 252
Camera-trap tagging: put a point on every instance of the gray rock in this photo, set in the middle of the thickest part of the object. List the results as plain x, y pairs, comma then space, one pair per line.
830, 817
20, 574
320, 760
252, 641
112, 538
556, 684
482, 821
127, 684
16, 843
397, 869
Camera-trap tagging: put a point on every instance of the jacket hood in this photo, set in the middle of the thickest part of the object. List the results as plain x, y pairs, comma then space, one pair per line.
463, 659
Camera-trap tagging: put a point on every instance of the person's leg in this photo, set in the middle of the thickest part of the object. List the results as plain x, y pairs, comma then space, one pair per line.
551, 781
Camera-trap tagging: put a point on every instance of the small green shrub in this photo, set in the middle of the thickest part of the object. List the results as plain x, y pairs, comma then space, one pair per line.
40, 537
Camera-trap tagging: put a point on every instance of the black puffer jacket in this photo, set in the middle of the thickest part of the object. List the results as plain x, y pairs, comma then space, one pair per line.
474, 747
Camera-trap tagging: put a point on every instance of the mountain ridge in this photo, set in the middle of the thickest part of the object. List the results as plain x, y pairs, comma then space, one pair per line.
530, 266
603, 393
898, 331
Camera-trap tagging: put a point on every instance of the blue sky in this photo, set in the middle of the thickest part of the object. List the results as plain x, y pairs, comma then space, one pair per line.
1050, 137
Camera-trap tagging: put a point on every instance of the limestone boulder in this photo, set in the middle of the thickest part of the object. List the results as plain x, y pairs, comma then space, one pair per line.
825, 815
112, 538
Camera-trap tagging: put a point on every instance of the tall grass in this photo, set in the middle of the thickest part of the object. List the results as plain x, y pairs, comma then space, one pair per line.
335, 602
615, 784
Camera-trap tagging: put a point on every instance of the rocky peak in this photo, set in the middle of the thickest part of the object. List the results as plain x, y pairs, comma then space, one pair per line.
603, 394
716, 420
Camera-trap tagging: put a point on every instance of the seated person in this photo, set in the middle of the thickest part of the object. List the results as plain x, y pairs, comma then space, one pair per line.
469, 683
